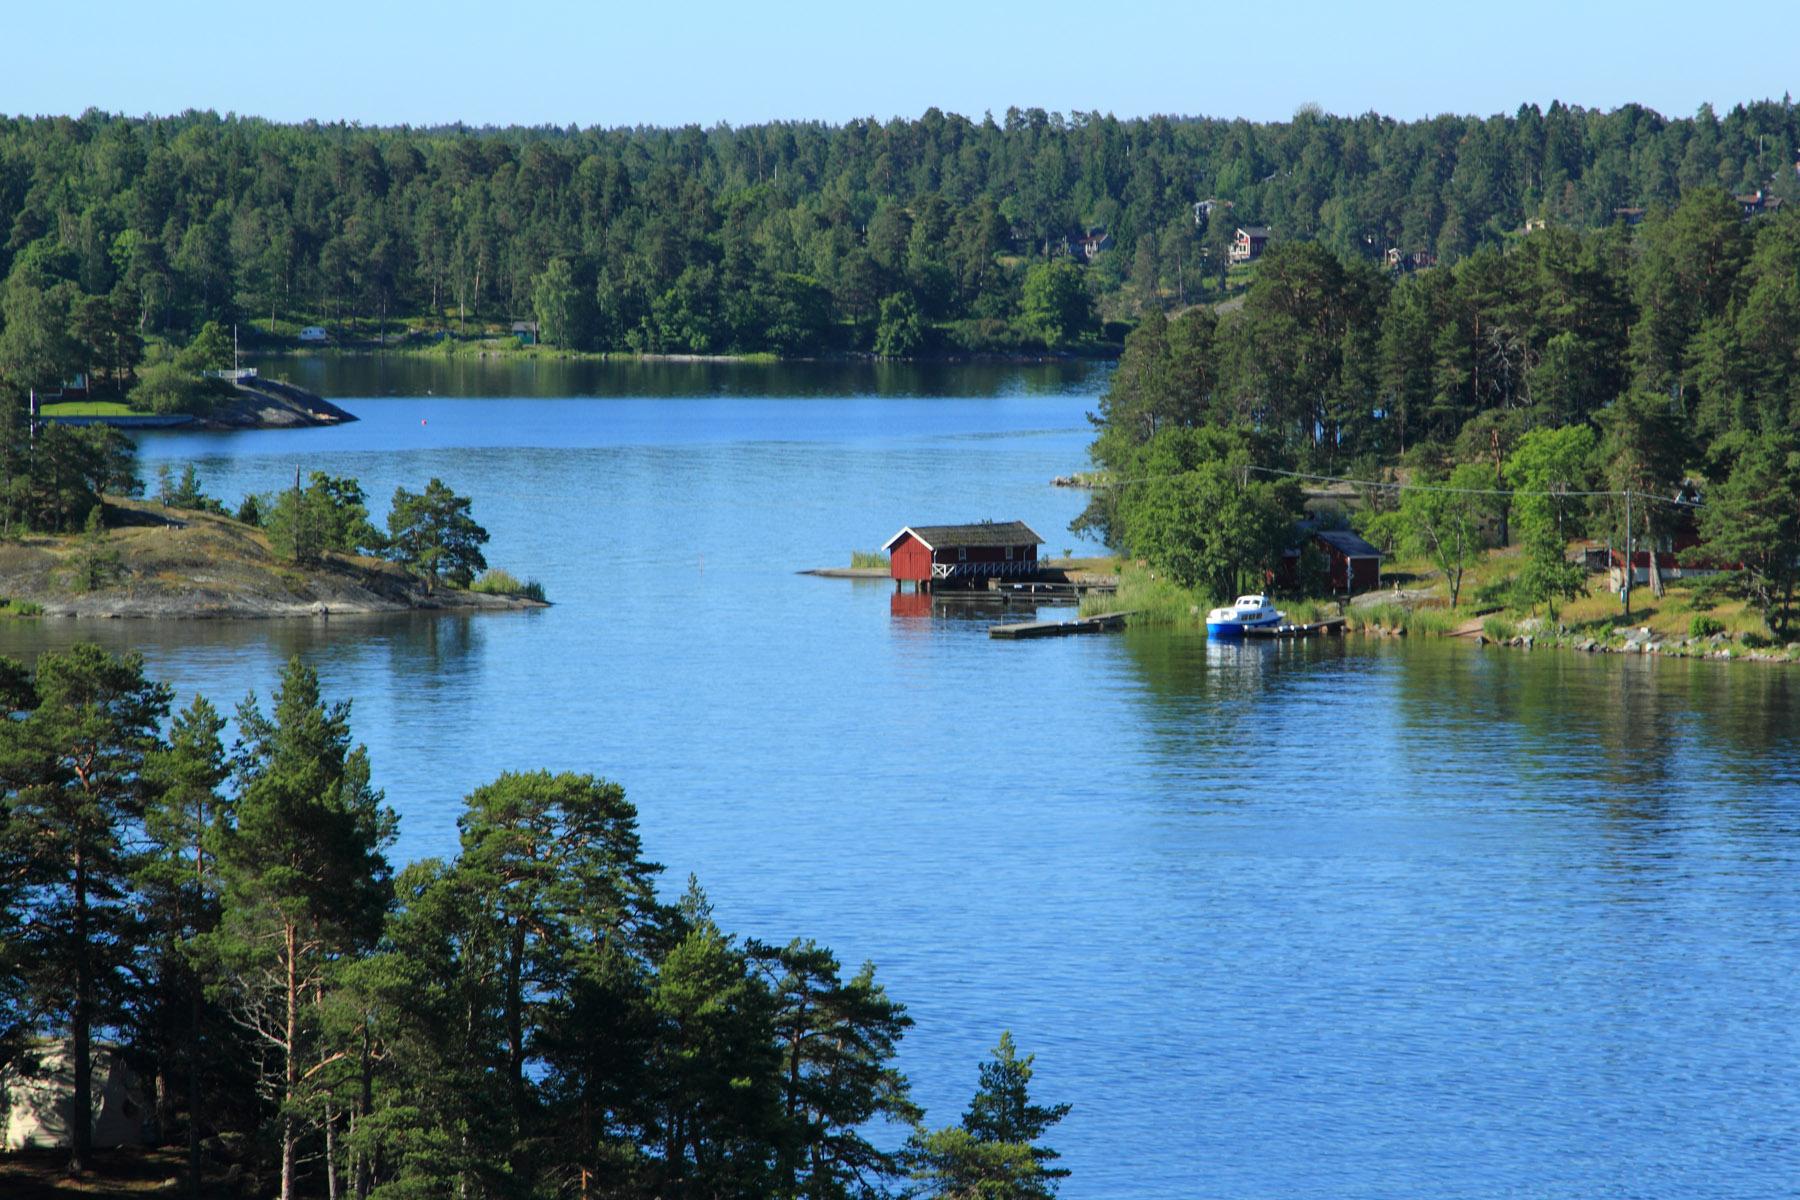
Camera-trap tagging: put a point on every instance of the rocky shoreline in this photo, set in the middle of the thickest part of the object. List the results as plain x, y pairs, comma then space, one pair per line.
260, 403
161, 563
1643, 640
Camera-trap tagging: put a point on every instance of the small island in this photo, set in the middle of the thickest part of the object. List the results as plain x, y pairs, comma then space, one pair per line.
153, 561
77, 540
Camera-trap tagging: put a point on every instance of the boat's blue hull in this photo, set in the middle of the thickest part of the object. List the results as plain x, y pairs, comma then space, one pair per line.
1231, 629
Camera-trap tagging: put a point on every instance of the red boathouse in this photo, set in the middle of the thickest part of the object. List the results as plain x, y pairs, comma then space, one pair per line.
957, 556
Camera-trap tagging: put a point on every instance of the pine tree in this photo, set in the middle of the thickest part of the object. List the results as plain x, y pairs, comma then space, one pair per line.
994, 1154
306, 887
715, 1102
178, 884
837, 1041
73, 780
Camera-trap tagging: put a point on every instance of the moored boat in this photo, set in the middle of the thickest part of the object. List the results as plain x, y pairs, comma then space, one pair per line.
1247, 612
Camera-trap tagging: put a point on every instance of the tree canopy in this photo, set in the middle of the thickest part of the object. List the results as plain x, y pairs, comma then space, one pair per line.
528, 1018
788, 235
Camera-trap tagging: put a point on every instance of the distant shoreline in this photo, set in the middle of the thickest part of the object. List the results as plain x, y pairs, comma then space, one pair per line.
492, 350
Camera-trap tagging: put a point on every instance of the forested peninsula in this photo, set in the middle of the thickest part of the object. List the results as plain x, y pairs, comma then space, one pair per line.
945, 234
1625, 391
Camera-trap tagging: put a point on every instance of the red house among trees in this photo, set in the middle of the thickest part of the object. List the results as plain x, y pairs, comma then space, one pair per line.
960, 556
1349, 563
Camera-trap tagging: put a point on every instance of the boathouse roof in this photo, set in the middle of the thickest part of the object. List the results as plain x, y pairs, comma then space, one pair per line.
981, 533
1347, 543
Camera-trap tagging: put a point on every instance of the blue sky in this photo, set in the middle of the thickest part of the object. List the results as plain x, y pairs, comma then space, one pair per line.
561, 62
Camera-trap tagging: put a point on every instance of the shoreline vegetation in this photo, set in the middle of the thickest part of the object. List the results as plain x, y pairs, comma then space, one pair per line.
436, 342
1690, 619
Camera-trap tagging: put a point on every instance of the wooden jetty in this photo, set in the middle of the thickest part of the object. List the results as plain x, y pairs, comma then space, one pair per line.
1037, 629
1311, 629
1046, 589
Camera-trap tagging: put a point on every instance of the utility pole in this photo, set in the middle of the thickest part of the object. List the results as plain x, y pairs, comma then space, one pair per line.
1630, 569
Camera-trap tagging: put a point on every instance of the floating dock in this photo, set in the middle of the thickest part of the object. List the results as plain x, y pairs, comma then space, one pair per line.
1037, 629
1311, 629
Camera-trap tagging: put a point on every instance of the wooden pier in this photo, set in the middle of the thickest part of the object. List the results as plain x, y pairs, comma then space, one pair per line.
1046, 589
1312, 629
1037, 629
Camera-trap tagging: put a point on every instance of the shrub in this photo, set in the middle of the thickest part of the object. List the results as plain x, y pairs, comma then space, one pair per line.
499, 582
1710, 590
166, 389
982, 333
95, 563
1499, 629
1705, 627
184, 492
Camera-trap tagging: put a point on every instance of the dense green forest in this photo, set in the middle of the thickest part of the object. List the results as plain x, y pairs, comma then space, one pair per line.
1622, 360
900, 237
526, 1019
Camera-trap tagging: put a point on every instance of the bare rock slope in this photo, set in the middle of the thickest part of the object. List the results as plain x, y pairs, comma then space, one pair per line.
259, 403
175, 563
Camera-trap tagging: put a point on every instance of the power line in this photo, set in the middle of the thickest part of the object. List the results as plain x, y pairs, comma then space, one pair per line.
1396, 486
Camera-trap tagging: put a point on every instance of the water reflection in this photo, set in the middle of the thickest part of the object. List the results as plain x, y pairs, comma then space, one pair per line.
423, 374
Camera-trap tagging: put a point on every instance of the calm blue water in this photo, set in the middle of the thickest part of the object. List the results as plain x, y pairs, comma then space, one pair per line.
1340, 919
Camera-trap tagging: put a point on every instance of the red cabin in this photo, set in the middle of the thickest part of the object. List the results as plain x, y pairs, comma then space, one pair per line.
940, 556
1351, 564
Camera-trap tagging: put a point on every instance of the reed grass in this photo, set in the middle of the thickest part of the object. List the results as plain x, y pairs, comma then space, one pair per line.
1401, 618
1499, 629
499, 582
1153, 597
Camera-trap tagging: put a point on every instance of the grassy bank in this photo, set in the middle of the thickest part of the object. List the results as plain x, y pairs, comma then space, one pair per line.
1393, 618
88, 408
1692, 618
1158, 600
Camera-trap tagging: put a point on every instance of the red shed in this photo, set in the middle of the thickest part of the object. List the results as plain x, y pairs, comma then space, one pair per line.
935, 556
1351, 564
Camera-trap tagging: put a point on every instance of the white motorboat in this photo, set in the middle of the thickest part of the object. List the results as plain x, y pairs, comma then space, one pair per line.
1247, 612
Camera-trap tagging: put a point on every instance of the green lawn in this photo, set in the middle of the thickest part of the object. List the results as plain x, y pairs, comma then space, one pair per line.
87, 408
